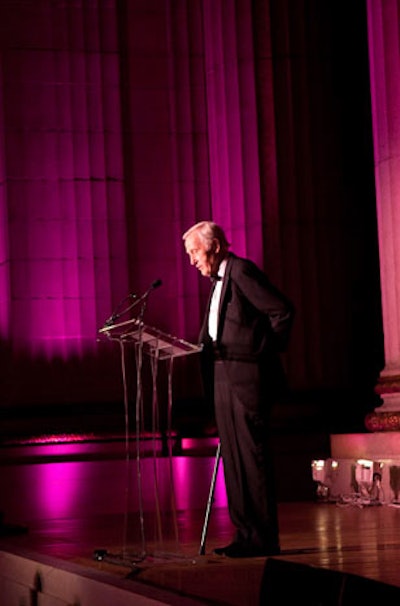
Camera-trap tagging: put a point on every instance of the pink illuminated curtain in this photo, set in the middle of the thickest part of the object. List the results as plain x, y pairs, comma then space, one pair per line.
63, 246
195, 143
123, 122
232, 123
4, 259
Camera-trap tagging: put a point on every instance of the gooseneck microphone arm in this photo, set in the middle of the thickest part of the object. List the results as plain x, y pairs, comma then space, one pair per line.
153, 285
116, 313
142, 299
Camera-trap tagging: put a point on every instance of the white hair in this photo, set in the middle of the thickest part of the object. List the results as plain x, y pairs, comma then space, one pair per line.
208, 231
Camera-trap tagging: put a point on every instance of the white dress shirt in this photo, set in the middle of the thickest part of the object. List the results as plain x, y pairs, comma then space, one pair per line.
214, 305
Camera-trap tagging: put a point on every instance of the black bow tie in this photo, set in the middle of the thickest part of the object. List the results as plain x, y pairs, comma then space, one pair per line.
215, 278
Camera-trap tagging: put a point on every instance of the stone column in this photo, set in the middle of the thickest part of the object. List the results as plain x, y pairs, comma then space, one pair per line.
384, 54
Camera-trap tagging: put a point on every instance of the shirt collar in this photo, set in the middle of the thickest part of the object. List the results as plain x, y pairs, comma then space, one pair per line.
222, 268
221, 272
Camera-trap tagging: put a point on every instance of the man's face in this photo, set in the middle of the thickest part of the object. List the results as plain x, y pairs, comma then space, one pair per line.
204, 260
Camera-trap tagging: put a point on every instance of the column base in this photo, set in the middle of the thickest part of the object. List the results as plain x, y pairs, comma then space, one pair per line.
387, 416
383, 421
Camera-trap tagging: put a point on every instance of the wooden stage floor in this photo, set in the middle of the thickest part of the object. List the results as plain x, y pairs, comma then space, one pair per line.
331, 554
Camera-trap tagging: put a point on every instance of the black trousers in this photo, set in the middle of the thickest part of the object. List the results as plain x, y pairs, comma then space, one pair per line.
242, 424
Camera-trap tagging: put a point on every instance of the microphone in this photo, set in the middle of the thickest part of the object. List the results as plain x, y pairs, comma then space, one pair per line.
115, 315
136, 301
152, 286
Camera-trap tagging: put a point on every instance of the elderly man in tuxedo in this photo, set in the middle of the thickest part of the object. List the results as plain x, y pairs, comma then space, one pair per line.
246, 325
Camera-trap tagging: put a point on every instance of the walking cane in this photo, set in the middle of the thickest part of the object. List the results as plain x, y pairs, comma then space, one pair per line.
210, 501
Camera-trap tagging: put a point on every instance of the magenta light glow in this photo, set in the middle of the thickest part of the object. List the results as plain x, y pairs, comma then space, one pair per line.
101, 171
191, 485
62, 207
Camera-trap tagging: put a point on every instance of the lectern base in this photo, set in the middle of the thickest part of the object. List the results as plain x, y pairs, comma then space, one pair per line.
134, 561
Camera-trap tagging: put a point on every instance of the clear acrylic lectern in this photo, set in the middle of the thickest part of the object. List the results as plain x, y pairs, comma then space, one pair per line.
158, 346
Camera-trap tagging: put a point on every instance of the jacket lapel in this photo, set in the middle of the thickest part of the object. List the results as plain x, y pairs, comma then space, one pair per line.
222, 306
204, 336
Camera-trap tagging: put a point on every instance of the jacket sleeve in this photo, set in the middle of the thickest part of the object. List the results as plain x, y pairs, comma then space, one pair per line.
266, 298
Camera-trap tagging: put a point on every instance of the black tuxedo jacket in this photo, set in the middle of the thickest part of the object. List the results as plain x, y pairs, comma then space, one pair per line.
254, 324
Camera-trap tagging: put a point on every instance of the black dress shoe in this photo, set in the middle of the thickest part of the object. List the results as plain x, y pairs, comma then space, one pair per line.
241, 550
221, 550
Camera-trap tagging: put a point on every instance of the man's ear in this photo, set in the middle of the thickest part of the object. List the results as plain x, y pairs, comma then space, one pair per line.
216, 247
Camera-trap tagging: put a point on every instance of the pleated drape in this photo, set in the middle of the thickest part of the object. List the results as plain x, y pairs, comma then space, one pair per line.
123, 122
194, 126
63, 220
